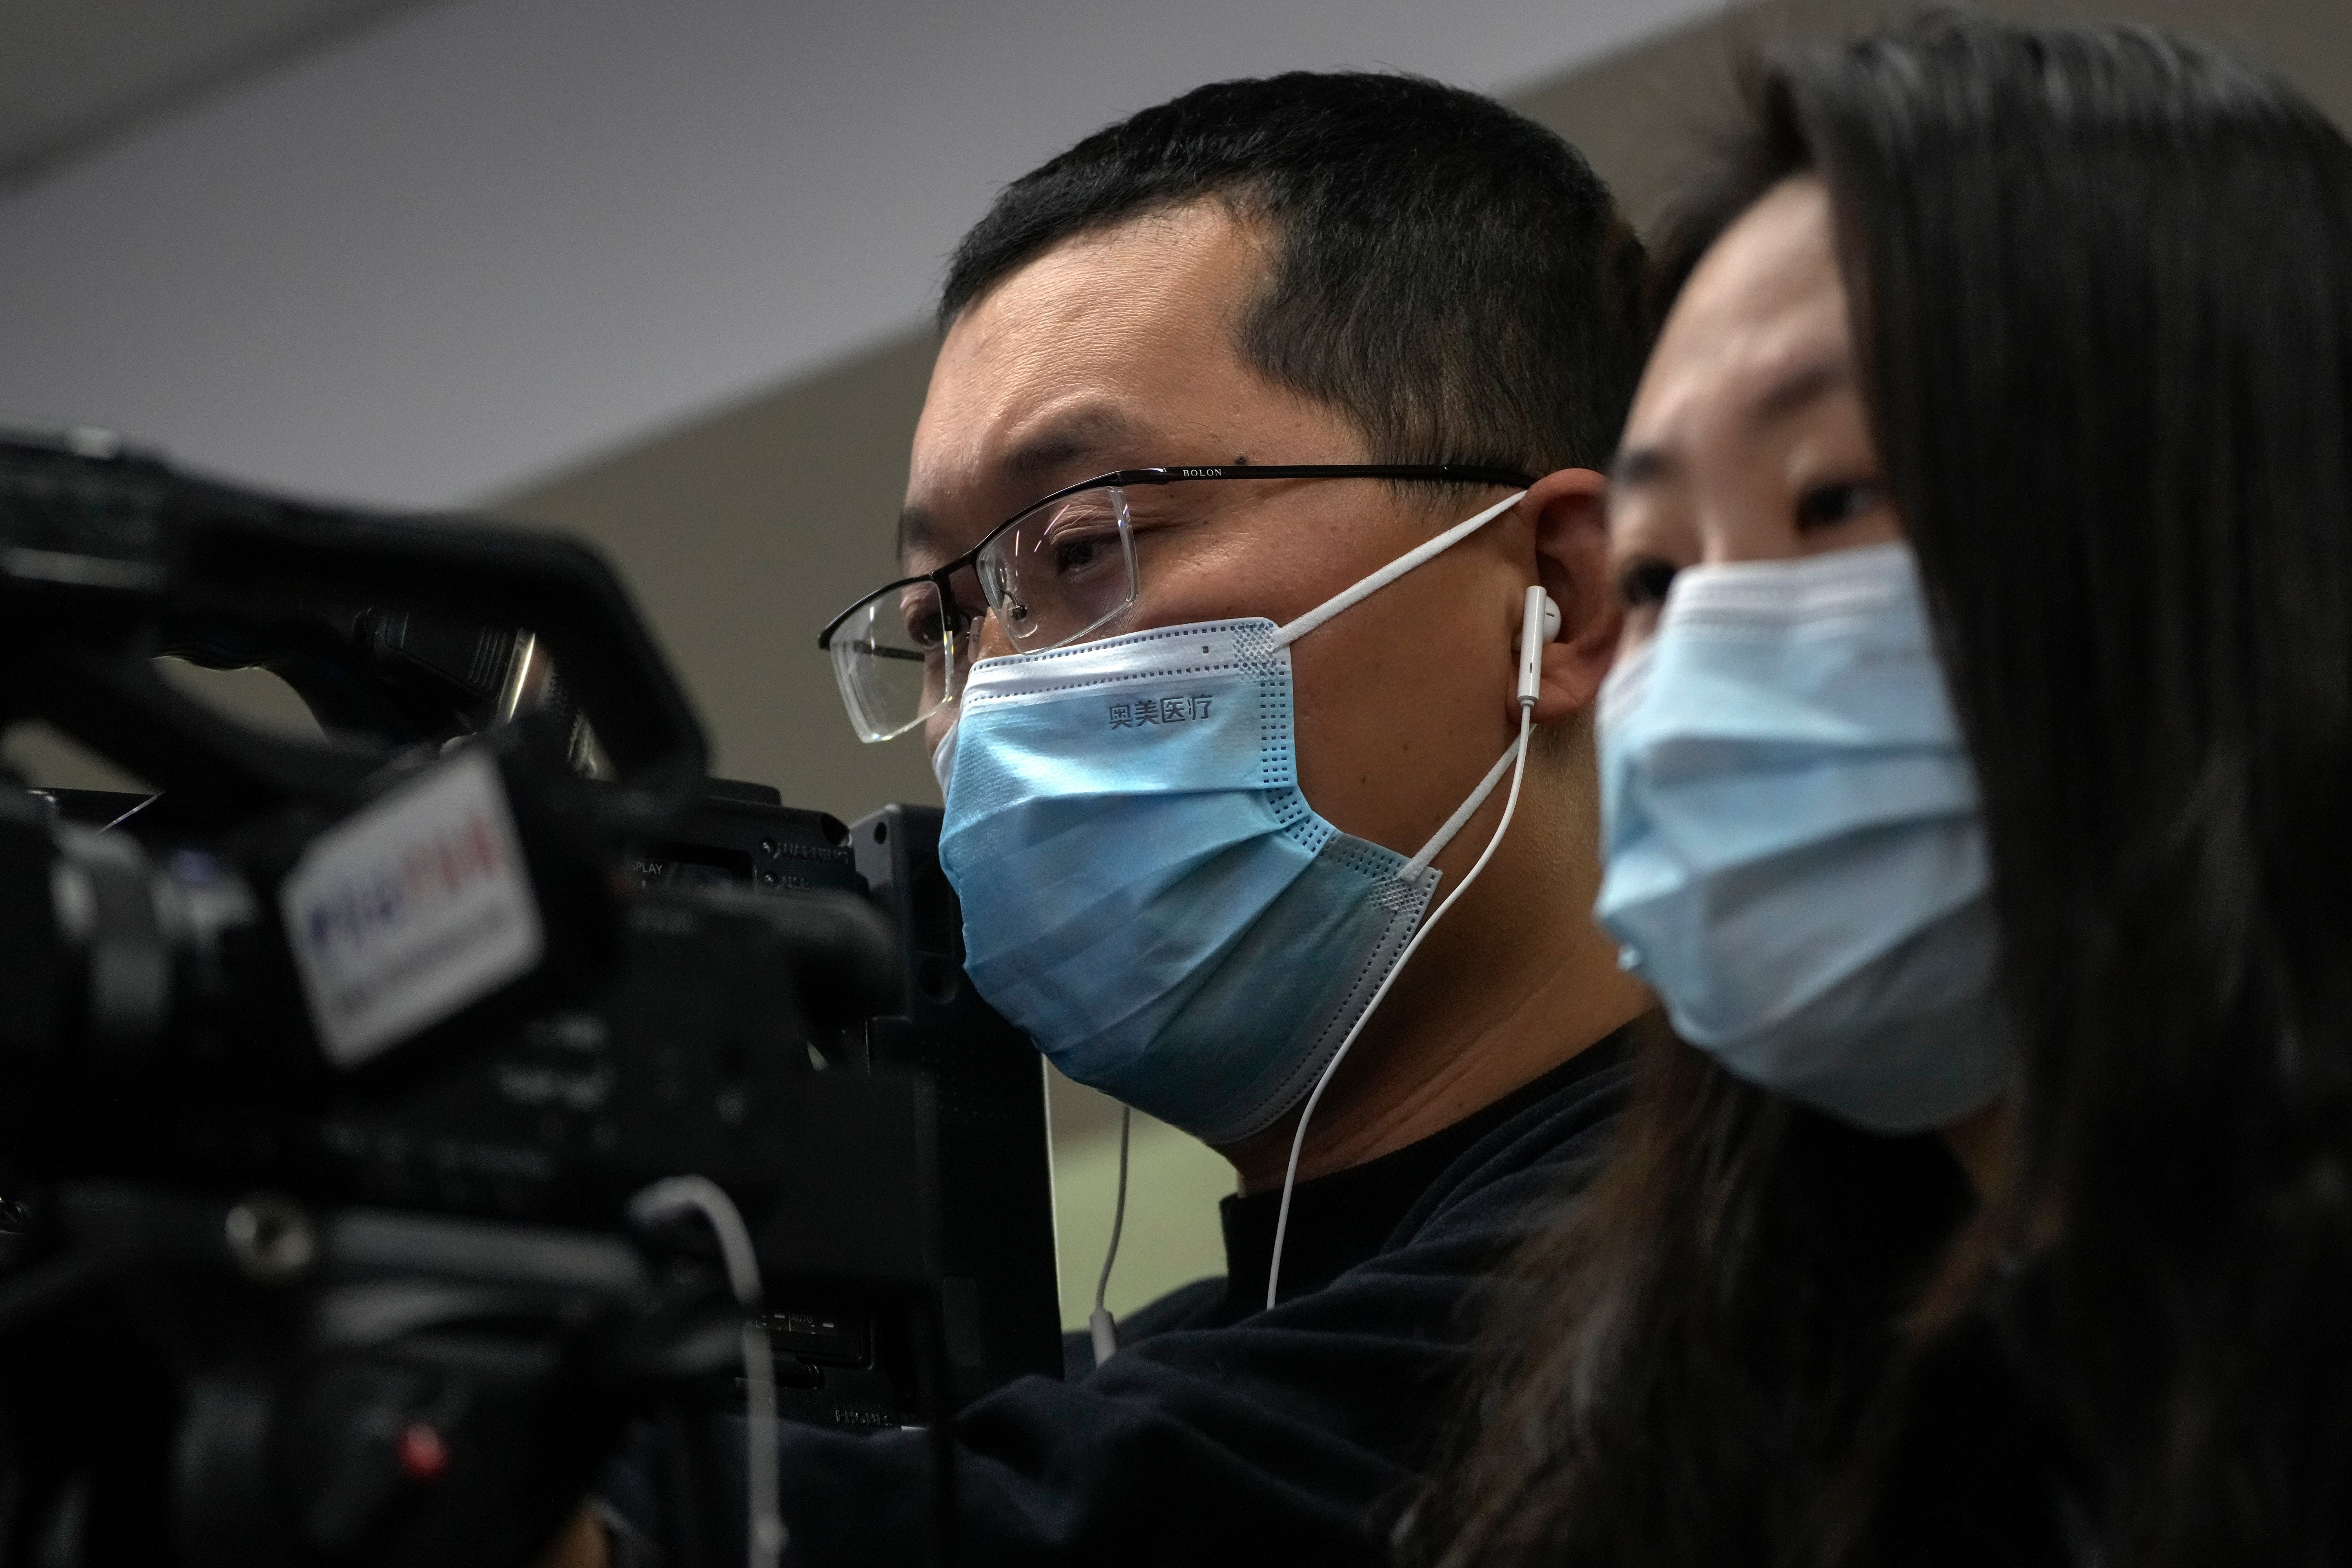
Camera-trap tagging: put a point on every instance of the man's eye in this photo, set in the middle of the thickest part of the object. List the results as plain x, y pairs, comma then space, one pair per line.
1826, 505
1643, 583
1076, 552
1072, 550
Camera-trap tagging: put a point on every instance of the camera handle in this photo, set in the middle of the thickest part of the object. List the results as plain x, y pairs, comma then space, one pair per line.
106, 560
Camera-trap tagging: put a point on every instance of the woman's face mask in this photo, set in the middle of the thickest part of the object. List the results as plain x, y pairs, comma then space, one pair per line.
1793, 855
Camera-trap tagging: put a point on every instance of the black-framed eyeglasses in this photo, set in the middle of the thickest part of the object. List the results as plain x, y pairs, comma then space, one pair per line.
1054, 572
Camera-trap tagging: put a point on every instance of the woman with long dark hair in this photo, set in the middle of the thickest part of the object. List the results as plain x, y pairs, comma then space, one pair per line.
1977, 773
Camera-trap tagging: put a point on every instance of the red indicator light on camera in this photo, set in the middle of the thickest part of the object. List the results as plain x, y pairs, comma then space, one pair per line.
422, 1452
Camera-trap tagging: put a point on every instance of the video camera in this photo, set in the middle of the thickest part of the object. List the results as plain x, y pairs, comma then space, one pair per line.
335, 1076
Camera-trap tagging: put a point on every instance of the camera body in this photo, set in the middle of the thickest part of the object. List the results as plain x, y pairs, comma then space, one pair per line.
999, 1300
328, 1072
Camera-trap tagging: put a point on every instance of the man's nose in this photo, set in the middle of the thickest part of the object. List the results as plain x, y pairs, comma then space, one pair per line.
988, 638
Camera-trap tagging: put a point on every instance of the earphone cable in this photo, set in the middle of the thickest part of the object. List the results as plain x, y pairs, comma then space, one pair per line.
1100, 1326
1299, 1139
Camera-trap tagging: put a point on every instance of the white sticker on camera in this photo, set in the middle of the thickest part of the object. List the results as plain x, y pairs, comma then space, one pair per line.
410, 909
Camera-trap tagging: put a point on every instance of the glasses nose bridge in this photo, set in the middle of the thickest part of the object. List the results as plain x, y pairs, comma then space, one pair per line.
994, 578
970, 612
996, 570
963, 601
988, 639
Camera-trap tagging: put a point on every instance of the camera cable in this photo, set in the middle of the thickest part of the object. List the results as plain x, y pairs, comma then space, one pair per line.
671, 1198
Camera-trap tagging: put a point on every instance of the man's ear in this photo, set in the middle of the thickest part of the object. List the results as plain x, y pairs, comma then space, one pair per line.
1572, 542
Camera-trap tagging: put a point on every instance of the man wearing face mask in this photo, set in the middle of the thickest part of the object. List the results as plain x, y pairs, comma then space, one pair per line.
1262, 434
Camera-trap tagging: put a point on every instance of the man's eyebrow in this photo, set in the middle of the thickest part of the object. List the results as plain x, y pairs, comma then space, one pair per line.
917, 531
1097, 429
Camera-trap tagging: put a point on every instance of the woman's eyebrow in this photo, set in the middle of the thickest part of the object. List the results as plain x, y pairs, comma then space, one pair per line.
1635, 467
1800, 389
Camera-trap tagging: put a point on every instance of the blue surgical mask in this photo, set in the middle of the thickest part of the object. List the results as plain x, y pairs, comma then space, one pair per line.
1145, 891
1795, 861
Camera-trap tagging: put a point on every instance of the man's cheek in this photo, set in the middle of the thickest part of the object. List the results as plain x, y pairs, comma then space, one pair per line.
936, 727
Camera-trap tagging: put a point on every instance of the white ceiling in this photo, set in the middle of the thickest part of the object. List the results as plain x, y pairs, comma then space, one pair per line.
75, 74
483, 239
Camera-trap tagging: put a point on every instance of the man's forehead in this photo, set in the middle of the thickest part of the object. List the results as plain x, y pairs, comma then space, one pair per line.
1110, 349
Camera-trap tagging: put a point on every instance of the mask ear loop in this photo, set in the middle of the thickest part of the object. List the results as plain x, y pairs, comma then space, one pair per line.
1531, 640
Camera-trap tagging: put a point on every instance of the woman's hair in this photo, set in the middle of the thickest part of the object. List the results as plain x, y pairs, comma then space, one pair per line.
2101, 284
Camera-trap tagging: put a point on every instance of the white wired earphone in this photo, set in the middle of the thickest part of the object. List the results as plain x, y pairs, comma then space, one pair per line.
1539, 623
1100, 1326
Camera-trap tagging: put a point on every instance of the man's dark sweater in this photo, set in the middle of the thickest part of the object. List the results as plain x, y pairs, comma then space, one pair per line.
1222, 1432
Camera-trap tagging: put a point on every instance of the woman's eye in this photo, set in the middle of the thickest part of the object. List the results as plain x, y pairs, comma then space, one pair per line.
1826, 505
1644, 582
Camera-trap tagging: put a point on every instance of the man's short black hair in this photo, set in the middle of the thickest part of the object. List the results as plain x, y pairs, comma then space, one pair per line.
1451, 274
